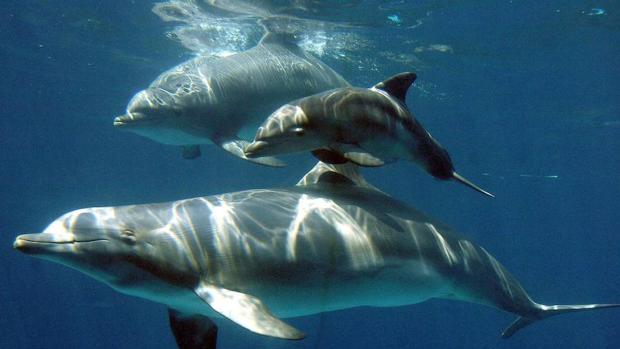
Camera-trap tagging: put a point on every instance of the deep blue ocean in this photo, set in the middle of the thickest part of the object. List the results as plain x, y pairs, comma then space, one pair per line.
524, 94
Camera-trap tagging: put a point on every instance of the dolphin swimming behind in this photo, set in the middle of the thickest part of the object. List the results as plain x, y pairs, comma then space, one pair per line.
256, 256
364, 126
223, 100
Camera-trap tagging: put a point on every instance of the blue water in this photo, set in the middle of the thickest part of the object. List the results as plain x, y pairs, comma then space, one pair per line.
524, 94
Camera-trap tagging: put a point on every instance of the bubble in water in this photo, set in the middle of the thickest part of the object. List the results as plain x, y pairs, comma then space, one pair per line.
596, 12
394, 19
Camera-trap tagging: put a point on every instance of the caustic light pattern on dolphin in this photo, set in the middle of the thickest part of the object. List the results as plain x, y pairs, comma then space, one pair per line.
365, 126
223, 100
253, 257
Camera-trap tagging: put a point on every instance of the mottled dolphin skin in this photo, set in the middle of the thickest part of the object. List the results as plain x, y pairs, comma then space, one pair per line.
255, 256
223, 100
365, 126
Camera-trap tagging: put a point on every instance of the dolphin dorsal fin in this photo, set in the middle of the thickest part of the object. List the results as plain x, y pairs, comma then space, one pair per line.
335, 174
282, 39
397, 85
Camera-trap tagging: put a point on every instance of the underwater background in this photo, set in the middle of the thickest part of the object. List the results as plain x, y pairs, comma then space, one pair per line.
525, 95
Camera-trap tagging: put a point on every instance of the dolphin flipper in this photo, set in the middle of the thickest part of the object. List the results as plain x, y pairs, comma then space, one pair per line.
329, 156
246, 311
357, 155
237, 146
192, 331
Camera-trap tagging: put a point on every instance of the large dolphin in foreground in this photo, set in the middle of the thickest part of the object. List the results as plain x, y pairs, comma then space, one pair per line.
367, 126
255, 256
223, 100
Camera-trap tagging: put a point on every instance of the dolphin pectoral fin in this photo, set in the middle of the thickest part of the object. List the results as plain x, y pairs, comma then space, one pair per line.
329, 156
358, 155
192, 331
364, 159
191, 152
516, 325
246, 311
237, 146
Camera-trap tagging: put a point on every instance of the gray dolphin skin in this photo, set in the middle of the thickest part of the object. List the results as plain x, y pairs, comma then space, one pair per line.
255, 256
365, 126
223, 100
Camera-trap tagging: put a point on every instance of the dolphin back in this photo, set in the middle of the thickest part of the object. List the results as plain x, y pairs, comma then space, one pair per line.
244, 88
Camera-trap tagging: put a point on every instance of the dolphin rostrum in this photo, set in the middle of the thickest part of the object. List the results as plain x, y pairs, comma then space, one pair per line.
365, 126
223, 100
255, 256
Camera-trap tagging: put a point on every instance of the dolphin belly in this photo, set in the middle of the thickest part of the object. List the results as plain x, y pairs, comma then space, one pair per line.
393, 286
174, 136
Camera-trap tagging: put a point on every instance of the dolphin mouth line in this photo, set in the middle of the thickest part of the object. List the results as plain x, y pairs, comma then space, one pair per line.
124, 120
142, 122
118, 123
60, 242
134, 118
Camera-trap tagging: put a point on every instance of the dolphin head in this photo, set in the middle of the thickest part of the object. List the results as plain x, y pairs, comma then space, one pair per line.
437, 162
149, 109
287, 130
103, 243
159, 114
435, 159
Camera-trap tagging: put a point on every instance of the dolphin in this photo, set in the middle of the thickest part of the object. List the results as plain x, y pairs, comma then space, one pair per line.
223, 100
256, 256
365, 126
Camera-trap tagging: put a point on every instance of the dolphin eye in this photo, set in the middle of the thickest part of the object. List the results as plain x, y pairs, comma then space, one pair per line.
299, 131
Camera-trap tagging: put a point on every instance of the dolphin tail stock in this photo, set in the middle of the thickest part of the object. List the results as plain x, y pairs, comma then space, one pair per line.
545, 311
457, 177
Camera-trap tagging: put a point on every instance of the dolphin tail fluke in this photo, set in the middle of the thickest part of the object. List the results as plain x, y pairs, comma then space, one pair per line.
546, 311
457, 177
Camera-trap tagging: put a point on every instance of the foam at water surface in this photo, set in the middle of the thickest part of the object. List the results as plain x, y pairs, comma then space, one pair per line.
331, 29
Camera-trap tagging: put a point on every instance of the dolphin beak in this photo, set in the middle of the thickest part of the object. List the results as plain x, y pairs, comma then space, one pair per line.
253, 149
20, 243
122, 120
46, 242
129, 119
33, 243
457, 177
